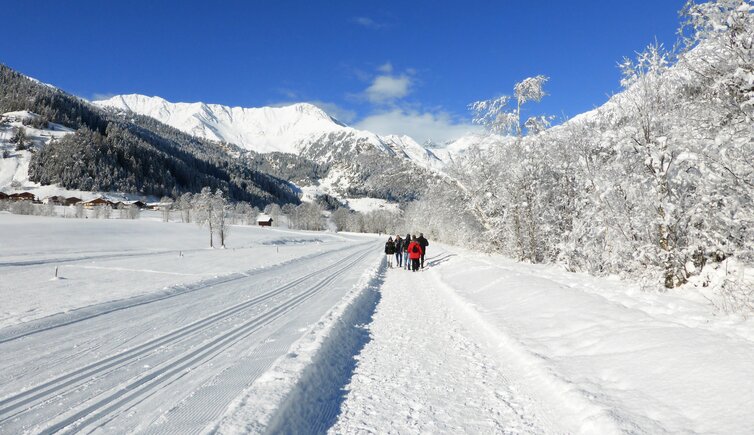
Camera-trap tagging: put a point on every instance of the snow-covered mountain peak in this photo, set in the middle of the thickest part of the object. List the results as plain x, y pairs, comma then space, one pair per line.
300, 128
263, 129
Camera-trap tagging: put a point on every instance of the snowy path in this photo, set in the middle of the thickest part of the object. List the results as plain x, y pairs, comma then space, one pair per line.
482, 344
427, 370
173, 364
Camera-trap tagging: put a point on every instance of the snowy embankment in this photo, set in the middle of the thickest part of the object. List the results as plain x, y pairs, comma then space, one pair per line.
481, 344
303, 391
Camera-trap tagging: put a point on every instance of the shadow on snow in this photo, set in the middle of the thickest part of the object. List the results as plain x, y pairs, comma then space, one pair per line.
314, 404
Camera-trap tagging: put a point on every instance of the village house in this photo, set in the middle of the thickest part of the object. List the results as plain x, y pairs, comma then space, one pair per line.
23, 196
96, 202
72, 201
137, 203
264, 220
3, 196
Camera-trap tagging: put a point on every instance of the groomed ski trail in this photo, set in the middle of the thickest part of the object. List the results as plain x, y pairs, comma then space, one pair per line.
171, 365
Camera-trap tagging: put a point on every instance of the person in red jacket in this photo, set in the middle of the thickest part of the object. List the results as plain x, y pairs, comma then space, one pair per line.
414, 253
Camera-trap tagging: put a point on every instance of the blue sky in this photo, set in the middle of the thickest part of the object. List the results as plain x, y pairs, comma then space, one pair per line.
408, 67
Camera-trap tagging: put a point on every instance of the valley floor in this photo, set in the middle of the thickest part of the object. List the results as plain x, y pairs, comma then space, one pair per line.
148, 331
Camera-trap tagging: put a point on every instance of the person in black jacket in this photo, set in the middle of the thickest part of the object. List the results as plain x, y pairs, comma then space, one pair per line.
398, 251
390, 251
423, 243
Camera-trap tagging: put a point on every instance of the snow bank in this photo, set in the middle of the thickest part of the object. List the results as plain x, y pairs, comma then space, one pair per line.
639, 362
302, 392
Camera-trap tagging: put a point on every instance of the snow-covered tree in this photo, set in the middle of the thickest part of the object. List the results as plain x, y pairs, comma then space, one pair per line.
166, 206
19, 138
184, 204
205, 212
339, 218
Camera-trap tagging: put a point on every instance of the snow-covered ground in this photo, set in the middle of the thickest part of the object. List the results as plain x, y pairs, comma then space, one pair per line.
14, 169
147, 330
479, 344
105, 260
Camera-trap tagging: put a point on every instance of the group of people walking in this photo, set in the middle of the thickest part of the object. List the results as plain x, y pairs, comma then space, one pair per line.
409, 252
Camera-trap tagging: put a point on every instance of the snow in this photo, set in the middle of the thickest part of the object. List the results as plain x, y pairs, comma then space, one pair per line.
425, 372
301, 393
287, 129
413, 151
14, 170
461, 146
124, 353
479, 344
264, 129
365, 205
128, 257
337, 181
145, 329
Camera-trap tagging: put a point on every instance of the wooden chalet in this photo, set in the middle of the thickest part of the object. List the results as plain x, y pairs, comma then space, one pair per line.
264, 220
96, 202
23, 196
72, 201
137, 203
3, 196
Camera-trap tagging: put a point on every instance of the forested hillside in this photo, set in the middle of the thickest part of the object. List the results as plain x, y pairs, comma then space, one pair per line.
130, 153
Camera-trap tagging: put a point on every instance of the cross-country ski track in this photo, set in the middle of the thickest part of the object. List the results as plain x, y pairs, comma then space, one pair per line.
171, 364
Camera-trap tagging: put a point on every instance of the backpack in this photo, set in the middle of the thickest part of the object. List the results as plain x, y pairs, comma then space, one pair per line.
415, 249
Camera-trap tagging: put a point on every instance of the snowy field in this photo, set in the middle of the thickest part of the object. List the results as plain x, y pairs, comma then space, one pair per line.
146, 330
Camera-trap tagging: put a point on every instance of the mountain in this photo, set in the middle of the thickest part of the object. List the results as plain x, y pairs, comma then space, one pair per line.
110, 152
411, 150
293, 129
350, 162
264, 129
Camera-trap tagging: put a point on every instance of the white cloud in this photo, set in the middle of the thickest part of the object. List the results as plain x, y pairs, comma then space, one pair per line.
367, 22
388, 88
438, 127
386, 68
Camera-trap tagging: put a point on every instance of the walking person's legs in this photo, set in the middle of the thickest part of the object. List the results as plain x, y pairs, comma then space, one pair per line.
422, 259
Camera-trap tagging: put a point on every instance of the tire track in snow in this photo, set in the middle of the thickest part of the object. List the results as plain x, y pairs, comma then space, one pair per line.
39, 394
